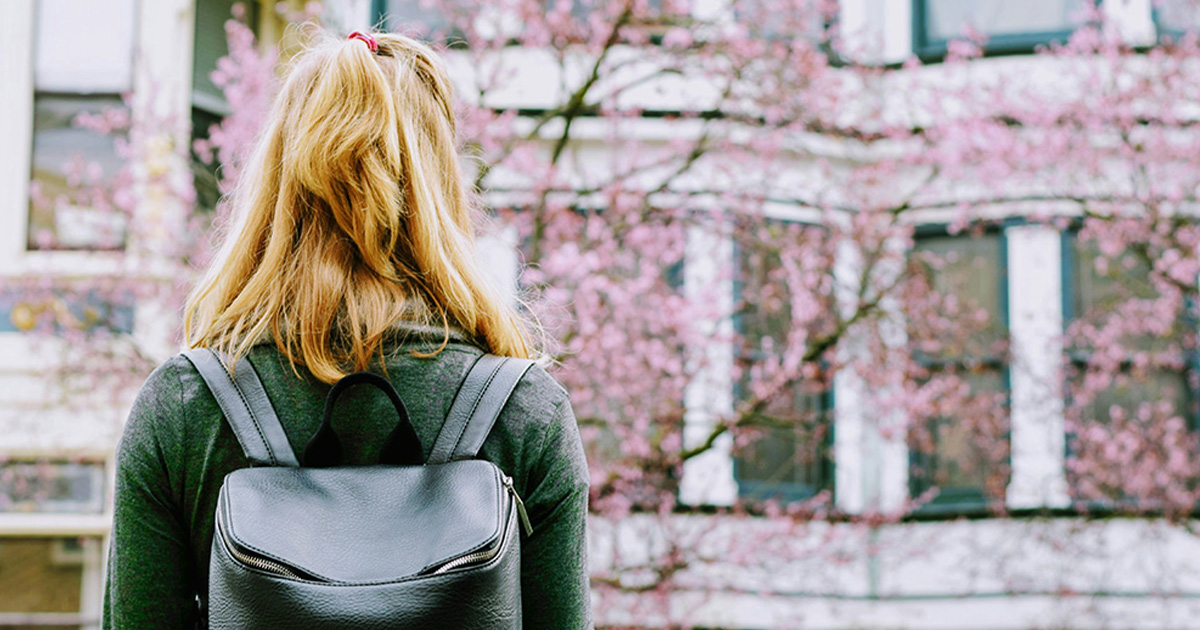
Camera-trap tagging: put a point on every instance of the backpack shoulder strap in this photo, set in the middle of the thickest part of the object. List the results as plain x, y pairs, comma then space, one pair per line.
480, 398
246, 407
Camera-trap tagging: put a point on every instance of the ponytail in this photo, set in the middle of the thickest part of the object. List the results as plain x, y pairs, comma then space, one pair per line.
351, 214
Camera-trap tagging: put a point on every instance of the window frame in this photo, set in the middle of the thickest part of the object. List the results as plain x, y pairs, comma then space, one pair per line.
934, 49
958, 500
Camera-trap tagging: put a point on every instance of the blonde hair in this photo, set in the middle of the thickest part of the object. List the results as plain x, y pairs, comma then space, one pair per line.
350, 216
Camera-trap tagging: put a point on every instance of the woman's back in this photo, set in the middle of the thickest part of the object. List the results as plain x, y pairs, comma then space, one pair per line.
177, 450
351, 238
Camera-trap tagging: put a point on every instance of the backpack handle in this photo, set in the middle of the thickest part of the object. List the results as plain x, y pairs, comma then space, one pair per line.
401, 448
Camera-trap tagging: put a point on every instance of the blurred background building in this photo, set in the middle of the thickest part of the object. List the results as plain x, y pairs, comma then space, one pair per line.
61, 58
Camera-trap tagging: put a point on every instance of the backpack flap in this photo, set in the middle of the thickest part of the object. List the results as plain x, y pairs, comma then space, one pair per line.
366, 524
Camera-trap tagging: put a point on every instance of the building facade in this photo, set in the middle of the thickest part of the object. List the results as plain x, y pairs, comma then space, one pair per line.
951, 567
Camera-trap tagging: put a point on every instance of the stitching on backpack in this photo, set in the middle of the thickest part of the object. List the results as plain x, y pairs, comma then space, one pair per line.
332, 582
249, 410
475, 405
500, 557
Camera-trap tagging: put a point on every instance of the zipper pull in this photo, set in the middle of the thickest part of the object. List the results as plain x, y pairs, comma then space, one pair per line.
525, 524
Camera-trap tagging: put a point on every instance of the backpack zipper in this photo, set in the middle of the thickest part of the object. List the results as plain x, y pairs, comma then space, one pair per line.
478, 557
485, 555
253, 561
471, 558
525, 524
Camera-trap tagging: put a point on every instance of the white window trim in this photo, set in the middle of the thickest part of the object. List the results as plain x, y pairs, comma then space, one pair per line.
16, 126
1037, 424
1134, 20
707, 479
870, 459
879, 30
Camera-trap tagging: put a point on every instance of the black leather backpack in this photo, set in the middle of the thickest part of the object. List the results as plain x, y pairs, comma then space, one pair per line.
406, 544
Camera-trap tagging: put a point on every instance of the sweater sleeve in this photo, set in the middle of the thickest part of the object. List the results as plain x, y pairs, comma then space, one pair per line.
554, 569
148, 584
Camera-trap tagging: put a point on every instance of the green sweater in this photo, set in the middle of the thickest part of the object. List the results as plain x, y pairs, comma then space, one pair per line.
177, 449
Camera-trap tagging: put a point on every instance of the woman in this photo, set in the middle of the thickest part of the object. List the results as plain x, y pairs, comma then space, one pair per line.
351, 249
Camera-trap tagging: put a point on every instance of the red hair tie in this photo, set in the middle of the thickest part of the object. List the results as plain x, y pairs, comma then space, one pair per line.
371, 43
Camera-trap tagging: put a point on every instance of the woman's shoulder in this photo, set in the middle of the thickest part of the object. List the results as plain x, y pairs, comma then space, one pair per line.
155, 429
163, 391
538, 388
536, 403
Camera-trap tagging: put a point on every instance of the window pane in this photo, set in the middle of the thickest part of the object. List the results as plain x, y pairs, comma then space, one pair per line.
51, 487
1129, 392
968, 271
68, 160
1177, 16
788, 462
1100, 285
408, 16
210, 45
43, 578
802, 20
787, 456
104, 28
947, 19
965, 456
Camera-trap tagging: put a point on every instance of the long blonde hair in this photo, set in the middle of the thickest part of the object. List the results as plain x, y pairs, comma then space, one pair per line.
350, 216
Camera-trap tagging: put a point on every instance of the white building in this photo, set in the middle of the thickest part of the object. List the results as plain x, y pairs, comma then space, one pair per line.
62, 57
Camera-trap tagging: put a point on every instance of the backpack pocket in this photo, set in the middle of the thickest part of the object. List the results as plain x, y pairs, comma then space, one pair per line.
377, 547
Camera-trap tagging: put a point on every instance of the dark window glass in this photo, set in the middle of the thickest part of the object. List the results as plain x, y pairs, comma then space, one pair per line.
211, 44
787, 449
209, 106
1098, 286
1010, 26
964, 454
41, 581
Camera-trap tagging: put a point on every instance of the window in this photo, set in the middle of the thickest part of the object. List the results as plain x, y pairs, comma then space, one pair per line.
411, 17
74, 167
961, 451
787, 453
24, 309
1174, 18
50, 582
209, 106
1097, 287
1131, 378
1010, 26
51, 487
437, 22
47, 582
805, 19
